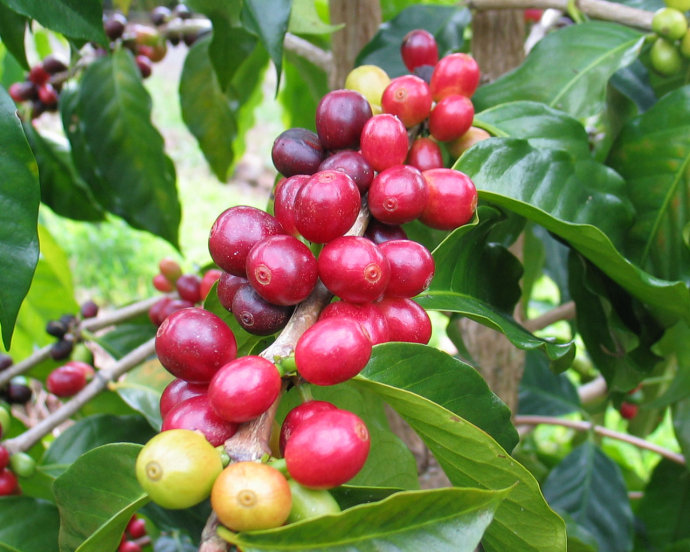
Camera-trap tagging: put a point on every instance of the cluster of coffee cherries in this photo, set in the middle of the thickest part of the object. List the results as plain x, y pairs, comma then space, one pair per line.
134, 535
17, 390
41, 86
672, 42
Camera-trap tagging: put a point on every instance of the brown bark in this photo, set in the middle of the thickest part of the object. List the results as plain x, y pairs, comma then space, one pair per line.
362, 19
498, 37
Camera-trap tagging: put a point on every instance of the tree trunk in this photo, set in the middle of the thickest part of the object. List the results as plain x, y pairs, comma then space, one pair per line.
498, 38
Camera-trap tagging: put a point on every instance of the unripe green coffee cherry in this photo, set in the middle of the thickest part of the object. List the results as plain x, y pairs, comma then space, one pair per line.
669, 23
681, 5
665, 57
685, 45
22, 464
310, 503
5, 419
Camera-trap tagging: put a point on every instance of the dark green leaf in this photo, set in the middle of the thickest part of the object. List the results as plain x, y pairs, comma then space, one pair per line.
12, 28
448, 382
446, 23
633, 82
96, 505
92, 432
268, 19
588, 486
568, 69
62, 188
80, 19
304, 19
19, 199
469, 457
442, 520
142, 389
190, 521
665, 506
652, 154
543, 393
581, 201
539, 124
303, 86
681, 424
28, 525
10, 69
126, 337
675, 345
139, 179
348, 496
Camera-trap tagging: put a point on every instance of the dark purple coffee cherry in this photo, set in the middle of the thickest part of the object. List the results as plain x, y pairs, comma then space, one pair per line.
297, 151
256, 315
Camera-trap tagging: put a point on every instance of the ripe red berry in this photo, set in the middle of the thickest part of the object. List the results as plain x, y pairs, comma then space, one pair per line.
156, 310
66, 380
407, 321
196, 414
451, 117
23, 91
136, 528
328, 449
284, 201
227, 287
425, 154
192, 344
408, 98
177, 391
8, 483
418, 48
88, 309
384, 141
326, 206
398, 195
209, 278
354, 165
161, 283
454, 74
412, 267
244, 388
629, 410
38, 75
452, 199
297, 151
189, 287
172, 306
340, 116
282, 270
4, 455
170, 268
298, 415
128, 546
235, 232
379, 232
256, 315
48, 95
332, 351
366, 315
145, 66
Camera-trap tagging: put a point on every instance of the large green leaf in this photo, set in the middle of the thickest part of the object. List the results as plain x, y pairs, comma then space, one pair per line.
303, 87
442, 520
542, 126
97, 496
469, 457
81, 19
543, 393
304, 19
665, 506
19, 199
28, 525
448, 382
581, 201
12, 29
138, 178
568, 69
653, 154
588, 486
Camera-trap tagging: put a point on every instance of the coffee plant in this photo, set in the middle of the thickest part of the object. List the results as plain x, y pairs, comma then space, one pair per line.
372, 362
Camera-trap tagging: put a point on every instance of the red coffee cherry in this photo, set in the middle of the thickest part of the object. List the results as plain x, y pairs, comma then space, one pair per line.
4, 455
353, 164
235, 232
38, 75
136, 528
454, 74
407, 321
451, 117
256, 315
384, 141
408, 98
298, 415
145, 66
452, 199
66, 380
340, 116
209, 278
196, 414
297, 151
425, 154
628, 410
354, 269
8, 483
88, 309
326, 206
172, 306
284, 201
192, 344
23, 91
156, 310
398, 195
328, 449
282, 270
128, 546
379, 232
189, 287
412, 267
367, 315
418, 48
228, 285
161, 283
48, 95
170, 268
332, 351
177, 391
244, 388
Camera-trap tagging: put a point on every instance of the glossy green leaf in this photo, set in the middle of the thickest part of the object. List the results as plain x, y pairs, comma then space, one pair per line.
542, 126
126, 337
543, 393
190, 520
348, 496
469, 457
581, 201
442, 520
448, 382
138, 183
268, 19
81, 19
681, 424
28, 525
588, 486
653, 154
12, 29
96, 505
675, 346
142, 389
390, 463
305, 20
568, 69
87, 434
62, 188
446, 23
19, 198
304, 84
633, 82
